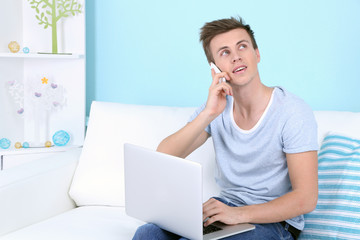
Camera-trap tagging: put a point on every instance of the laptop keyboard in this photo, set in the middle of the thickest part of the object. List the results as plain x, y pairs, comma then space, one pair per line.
210, 229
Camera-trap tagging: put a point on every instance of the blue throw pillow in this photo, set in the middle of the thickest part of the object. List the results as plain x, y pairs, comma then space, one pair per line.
337, 214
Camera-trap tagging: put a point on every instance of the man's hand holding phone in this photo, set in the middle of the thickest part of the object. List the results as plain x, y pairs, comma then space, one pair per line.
218, 90
217, 70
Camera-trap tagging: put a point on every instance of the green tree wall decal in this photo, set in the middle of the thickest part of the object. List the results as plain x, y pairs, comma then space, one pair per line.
55, 9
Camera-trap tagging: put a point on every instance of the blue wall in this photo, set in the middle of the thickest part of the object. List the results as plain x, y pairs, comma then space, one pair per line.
148, 52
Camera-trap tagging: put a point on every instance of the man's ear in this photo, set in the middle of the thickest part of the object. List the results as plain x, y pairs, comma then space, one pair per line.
257, 55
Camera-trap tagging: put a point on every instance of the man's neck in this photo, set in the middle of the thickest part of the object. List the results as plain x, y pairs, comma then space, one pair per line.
250, 103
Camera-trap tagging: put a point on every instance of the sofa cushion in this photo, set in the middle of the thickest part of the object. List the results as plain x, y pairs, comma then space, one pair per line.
337, 214
83, 223
99, 177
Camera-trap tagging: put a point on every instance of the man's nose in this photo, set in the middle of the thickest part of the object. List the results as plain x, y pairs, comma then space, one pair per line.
236, 58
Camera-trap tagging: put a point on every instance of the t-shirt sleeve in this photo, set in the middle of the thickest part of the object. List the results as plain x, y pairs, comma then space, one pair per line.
300, 130
196, 113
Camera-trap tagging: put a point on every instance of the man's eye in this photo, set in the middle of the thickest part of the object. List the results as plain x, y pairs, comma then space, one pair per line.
224, 53
242, 46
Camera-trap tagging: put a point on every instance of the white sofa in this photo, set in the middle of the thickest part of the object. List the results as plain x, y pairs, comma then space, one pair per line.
79, 194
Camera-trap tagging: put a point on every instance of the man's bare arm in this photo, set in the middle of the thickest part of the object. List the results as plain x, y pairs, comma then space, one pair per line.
193, 135
187, 139
302, 199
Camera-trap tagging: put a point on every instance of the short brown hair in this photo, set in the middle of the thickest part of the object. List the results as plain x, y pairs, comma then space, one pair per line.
214, 28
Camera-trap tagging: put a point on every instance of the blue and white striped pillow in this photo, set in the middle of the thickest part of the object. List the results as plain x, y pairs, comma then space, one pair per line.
337, 214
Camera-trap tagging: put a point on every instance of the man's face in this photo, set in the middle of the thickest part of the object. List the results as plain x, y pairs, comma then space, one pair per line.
234, 53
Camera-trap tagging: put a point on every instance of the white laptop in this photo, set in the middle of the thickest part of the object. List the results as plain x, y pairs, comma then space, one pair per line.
167, 191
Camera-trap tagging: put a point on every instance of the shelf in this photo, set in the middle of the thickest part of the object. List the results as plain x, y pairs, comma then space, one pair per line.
14, 151
42, 56
46, 108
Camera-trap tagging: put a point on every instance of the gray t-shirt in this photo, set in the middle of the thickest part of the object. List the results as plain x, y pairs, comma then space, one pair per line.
251, 164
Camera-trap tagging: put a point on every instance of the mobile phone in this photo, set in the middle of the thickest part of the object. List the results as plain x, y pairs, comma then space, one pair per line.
217, 70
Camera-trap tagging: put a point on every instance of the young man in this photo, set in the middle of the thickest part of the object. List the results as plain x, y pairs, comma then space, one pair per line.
265, 141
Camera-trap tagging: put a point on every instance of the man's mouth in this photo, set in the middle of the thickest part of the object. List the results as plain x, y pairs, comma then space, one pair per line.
239, 69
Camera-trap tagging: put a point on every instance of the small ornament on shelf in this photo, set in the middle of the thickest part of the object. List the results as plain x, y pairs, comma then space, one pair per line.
18, 145
44, 80
56, 10
43, 97
5, 143
48, 144
26, 145
14, 47
26, 50
61, 138
20, 111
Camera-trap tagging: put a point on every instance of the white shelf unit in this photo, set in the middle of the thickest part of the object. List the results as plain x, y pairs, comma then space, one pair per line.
18, 23
44, 56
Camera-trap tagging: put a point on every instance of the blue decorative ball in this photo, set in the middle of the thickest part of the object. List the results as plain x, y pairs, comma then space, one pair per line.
26, 50
61, 138
26, 145
5, 143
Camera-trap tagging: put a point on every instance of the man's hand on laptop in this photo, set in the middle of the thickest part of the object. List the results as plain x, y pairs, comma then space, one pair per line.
216, 211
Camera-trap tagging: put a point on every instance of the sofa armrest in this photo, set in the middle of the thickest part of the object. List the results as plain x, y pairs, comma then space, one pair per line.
36, 191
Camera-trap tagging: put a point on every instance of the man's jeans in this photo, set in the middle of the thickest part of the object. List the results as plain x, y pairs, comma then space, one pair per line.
262, 231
